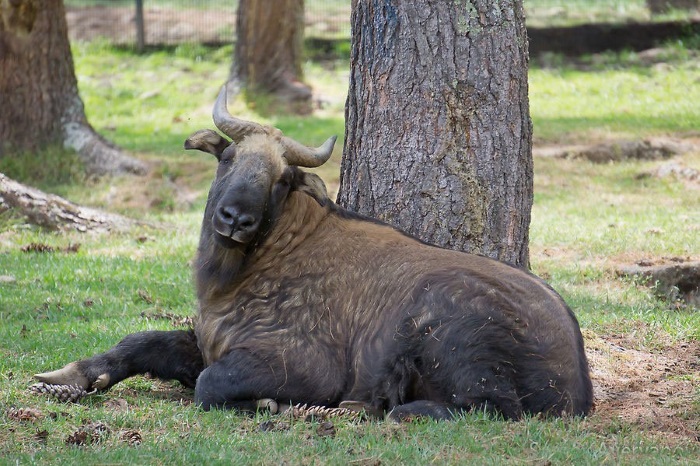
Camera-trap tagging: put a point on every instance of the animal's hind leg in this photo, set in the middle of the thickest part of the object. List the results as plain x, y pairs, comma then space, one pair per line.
489, 392
422, 408
164, 354
445, 411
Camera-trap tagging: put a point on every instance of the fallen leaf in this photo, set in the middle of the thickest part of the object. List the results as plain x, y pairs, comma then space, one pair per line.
326, 429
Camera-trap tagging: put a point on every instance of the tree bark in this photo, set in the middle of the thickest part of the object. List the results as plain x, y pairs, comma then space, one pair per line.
39, 91
438, 134
55, 213
268, 51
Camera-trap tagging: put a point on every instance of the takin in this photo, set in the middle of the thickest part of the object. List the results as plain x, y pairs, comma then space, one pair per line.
301, 301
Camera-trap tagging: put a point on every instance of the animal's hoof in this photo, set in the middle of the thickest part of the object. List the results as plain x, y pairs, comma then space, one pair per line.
72, 375
68, 375
268, 404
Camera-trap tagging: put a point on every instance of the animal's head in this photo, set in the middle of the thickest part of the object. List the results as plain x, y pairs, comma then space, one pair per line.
256, 173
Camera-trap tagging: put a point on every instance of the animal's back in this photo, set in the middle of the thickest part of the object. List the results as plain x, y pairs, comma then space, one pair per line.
465, 318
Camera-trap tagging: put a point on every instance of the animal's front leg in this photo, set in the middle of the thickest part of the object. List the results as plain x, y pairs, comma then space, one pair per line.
164, 354
241, 376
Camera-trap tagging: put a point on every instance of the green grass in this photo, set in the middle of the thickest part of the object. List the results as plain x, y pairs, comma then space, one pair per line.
615, 95
587, 218
474, 439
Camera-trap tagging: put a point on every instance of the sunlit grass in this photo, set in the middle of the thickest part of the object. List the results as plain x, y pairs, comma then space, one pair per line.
627, 99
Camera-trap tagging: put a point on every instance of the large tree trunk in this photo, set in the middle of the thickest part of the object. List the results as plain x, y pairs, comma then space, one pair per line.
438, 133
268, 52
40, 105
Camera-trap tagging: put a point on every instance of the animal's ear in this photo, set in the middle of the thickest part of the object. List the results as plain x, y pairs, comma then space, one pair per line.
209, 141
312, 185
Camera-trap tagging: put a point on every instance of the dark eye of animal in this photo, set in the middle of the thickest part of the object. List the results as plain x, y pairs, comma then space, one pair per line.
300, 300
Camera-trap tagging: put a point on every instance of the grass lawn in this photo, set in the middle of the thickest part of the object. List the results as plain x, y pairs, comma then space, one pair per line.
587, 220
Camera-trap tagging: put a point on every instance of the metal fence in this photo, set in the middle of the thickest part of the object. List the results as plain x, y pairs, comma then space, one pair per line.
213, 21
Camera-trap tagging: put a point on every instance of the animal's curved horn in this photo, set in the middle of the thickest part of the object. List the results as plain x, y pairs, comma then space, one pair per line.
233, 127
295, 153
302, 156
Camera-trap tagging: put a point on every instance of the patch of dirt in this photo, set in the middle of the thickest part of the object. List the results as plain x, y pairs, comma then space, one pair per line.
618, 151
656, 391
169, 26
163, 26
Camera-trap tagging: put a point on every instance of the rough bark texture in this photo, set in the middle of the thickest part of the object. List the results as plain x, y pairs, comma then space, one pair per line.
39, 91
438, 133
55, 213
268, 51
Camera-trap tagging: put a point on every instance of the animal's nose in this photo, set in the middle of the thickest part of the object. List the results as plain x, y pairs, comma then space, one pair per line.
230, 216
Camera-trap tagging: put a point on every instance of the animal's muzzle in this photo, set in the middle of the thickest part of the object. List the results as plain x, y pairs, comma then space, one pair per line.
228, 221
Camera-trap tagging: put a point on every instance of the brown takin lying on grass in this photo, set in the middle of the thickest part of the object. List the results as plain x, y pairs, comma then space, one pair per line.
302, 301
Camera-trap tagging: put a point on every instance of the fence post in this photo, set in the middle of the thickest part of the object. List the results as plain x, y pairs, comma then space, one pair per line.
140, 28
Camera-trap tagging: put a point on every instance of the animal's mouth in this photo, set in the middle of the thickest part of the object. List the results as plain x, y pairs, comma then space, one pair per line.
227, 242
232, 239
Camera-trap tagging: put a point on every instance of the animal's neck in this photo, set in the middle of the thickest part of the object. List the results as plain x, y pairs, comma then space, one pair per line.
298, 221
219, 270
216, 269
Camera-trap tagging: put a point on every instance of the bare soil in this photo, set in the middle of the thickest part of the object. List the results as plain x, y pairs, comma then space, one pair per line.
163, 26
656, 390
167, 26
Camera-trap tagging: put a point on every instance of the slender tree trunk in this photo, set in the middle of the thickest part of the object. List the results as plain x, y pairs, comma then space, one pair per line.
268, 51
438, 133
40, 105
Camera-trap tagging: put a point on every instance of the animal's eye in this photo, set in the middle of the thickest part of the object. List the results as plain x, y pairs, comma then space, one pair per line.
286, 178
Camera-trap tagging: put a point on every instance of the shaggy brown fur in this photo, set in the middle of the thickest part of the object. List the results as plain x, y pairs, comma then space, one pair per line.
301, 301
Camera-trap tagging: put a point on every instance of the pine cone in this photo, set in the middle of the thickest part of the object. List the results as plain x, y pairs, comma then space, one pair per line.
24, 414
306, 412
132, 437
89, 434
65, 393
79, 438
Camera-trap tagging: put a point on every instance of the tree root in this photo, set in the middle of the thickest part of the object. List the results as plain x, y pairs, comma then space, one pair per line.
100, 156
56, 213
